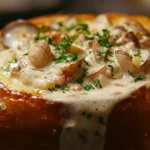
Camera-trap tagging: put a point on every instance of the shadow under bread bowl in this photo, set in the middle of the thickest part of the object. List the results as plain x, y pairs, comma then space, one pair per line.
31, 120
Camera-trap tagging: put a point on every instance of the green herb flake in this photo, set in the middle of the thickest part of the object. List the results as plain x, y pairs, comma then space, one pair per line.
101, 120
89, 116
70, 28
15, 60
65, 42
82, 26
85, 72
39, 32
137, 53
97, 83
87, 63
107, 55
112, 69
25, 54
83, 138
64, 88
45, 38
66, 57
89, 37
51, 89
140, 78
102, 53
106, 32
104, 39
88, 87
131, 74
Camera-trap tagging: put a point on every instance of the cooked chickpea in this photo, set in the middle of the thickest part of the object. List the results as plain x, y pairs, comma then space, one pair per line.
40, 54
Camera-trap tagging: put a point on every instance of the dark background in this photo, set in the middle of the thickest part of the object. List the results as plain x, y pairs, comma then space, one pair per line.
77, 6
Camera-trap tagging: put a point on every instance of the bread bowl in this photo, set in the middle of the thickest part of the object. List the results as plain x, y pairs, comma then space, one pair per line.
89, 92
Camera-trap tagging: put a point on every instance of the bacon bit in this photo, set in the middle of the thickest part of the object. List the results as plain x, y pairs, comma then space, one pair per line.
130, 36
15, 72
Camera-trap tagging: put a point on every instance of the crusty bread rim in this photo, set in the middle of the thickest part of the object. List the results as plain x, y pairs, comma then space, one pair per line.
113, 18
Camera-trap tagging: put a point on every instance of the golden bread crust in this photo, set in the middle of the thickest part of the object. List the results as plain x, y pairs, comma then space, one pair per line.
26, 116
113, 18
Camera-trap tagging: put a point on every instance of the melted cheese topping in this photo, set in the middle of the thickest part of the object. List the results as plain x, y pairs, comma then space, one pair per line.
90, 66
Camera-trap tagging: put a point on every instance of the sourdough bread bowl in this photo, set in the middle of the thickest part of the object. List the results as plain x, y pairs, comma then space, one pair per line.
77, 82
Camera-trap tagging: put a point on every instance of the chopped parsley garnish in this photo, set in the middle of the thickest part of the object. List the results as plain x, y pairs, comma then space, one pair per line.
45, 38
101, 53
89, 37
106, 32
87, 63
39, 32
5, 69
15, 60
87, 115
88, 87
70, 28
131, 74
137, 53
112, 69
97, 83
104, 39
65, 42
139, 78
101, 120
107, 55
81, 26
52, 89
83, 138
85, 72
64, 88
25, 54
66, 57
